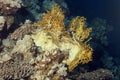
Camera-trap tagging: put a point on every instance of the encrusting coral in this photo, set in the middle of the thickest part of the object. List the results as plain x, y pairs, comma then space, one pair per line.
51, 35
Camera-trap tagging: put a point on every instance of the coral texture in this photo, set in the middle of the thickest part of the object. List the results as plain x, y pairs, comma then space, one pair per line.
15, 69
21, 31
2, 22
9, 6
78, 28
52, 21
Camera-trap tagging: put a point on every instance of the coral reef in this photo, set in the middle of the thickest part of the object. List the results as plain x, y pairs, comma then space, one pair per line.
2, 22
9, 6
46, 49
78, 28
96, 75
21, 31
6, 22
52, 23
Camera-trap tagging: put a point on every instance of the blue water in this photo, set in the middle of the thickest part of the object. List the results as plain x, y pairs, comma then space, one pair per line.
106, 9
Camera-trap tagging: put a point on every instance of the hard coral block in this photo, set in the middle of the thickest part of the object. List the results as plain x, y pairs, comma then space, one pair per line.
15, 69
9, 6
21, 31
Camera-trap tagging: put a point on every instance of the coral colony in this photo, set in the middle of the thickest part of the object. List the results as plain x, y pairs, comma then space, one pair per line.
45, 49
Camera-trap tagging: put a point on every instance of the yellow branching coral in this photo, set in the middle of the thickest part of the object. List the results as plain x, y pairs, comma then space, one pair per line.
80, 33
83, 57
78, 26
52, 20
52, 26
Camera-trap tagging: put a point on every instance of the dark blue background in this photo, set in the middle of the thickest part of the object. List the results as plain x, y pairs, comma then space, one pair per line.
106, 9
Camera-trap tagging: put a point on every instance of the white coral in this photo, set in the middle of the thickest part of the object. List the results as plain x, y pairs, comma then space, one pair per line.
47, 43
2, 19
22, 46
62, 70
12, 3
2, 22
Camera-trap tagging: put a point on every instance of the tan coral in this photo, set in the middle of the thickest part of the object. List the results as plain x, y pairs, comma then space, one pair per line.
10, 6
21, 31
48, 65
15, 69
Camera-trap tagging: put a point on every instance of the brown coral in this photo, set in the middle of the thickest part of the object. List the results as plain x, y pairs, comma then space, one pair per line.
15, 68
21, 31
49, 65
